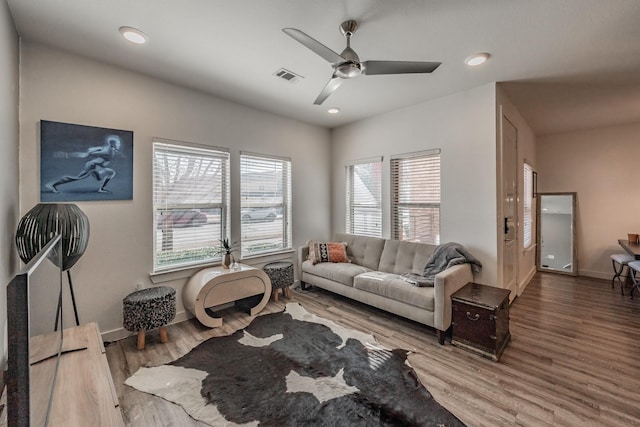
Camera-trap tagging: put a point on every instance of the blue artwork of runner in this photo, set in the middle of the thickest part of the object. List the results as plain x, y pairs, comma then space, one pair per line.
80, 163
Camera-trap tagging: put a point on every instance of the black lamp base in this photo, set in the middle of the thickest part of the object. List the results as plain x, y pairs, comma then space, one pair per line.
73, 301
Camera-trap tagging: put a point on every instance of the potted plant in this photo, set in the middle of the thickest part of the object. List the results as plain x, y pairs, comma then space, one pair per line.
226, 249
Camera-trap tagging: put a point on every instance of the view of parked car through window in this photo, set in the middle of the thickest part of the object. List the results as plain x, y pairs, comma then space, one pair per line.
192, 205
182, 218
258, 214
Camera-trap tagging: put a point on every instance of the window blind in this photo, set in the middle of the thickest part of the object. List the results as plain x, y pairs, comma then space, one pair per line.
528, 206
190, 202
265, 204
363, 198
415, 204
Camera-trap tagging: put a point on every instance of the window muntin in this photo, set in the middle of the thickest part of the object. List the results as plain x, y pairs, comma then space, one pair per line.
265, 204
415, 204
364, 198
190, 202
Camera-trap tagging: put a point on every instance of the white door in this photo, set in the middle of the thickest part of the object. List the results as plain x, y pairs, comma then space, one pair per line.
509, 205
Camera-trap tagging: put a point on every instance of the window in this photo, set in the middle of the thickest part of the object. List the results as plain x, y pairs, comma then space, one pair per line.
364, 194
265, 204
528, 206
190, 202
415, 203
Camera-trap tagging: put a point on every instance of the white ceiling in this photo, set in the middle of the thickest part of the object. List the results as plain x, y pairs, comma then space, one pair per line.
561, 57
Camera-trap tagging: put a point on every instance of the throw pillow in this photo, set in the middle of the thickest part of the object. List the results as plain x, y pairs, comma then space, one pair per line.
328, 252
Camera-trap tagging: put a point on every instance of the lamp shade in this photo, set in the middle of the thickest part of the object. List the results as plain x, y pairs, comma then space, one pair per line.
44, 221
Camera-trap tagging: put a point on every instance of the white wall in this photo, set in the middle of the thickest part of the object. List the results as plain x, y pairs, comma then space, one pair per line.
526, 148
63, 87
463, 127
601, 165
8, 160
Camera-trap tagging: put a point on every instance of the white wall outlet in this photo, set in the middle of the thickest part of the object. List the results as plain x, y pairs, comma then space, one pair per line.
139, 286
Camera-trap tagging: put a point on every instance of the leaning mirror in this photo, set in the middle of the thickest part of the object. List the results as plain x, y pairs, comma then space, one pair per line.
557, 251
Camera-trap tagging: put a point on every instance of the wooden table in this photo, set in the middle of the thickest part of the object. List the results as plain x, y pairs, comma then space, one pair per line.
632, 249
215, 286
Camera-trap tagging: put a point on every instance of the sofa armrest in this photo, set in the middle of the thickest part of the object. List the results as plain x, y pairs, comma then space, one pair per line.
447, 283
303, 254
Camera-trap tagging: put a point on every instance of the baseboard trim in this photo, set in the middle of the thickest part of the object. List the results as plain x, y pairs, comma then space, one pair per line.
521, 287
121, 333
595, 274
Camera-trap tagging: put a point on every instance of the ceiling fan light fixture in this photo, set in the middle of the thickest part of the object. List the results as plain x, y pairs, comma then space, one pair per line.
133, 35
333, 110
477, 59
348, 70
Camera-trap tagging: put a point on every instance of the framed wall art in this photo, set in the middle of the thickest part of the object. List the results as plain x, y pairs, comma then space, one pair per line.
80, 163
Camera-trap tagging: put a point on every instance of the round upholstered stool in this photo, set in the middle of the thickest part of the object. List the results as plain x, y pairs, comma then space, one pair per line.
281, 275
619, 262
148, 309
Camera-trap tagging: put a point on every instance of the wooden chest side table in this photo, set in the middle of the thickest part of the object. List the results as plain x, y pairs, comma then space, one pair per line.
480, 319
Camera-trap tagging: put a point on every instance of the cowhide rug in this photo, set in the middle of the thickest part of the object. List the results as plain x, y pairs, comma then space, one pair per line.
295, 368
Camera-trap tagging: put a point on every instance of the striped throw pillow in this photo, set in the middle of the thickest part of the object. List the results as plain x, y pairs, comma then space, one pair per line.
328, 252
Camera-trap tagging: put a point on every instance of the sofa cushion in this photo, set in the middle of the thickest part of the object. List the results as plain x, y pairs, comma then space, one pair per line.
340, 272
401, 257
328, 252
391, 286
363, 250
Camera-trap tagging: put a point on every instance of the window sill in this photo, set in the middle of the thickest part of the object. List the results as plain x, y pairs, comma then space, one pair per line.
187, 272
267, 255
178, 273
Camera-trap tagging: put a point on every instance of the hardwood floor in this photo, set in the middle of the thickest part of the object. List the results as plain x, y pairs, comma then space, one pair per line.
573, 359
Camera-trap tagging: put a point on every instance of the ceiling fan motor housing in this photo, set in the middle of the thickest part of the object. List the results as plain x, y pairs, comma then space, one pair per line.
351, 67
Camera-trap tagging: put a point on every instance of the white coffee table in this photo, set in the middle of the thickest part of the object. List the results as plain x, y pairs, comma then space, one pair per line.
215, 286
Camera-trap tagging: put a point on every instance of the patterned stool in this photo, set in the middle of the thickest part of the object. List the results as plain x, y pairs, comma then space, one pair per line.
281, 275
148, 309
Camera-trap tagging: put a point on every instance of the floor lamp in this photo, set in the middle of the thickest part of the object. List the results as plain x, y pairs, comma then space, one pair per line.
42, 223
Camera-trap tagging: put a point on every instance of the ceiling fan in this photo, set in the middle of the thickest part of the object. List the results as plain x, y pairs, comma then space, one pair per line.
347, 65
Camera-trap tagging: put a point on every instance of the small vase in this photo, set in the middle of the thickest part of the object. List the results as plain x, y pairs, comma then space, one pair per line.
226, 260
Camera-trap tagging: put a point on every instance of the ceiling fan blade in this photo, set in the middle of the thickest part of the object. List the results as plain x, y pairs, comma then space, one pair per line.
397, 67
331, 86
314, 45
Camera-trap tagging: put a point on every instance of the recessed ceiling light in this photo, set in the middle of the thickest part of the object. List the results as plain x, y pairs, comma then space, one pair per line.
477, 59
333, 110
133, 35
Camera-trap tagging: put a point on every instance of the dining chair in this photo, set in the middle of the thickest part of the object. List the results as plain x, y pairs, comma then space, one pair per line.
634, 267
619, 262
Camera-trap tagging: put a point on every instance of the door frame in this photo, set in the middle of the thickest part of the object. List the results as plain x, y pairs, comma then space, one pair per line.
501, 190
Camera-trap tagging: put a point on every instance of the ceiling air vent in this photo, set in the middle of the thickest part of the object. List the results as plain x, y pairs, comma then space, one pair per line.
287, 75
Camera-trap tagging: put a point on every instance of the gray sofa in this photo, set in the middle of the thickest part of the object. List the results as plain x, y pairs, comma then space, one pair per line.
373, 278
